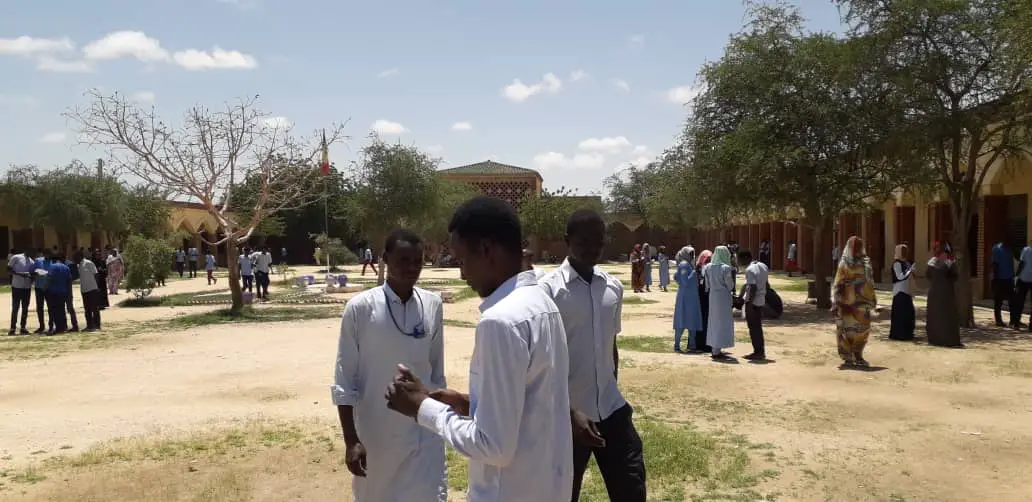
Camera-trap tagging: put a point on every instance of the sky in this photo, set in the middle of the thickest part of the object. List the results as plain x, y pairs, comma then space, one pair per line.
575, 89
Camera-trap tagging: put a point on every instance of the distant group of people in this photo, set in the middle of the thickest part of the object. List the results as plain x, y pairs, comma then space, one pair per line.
255, 266
50, 277
1011, 285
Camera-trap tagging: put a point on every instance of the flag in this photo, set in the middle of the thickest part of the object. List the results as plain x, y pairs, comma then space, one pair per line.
325, 163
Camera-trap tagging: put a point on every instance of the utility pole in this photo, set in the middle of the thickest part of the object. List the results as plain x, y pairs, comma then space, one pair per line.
100, 168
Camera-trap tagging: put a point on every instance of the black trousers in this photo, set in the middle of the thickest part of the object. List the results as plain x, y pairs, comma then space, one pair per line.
620, 461
248, 281
1018, 305
70, 306
56, 307
193, 268
754, 320
91, 304
20, 299
1003, 291
41, 304
179, 268
262, 280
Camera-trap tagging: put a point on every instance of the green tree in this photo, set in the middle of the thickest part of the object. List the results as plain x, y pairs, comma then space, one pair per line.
629, 190
146, 213
791, 118
146, 259
544, 216
964, 79
206, 157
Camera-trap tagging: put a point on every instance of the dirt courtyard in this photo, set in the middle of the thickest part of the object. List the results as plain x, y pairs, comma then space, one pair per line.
240, 412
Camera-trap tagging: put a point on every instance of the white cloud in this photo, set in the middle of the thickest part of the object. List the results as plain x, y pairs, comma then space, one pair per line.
578, 75
462, 126
386, 127
518, 92
622, 85
145, 97
640, 150
50, 64
125, 44
216, 59
554, 160
53, 137
32, 47
278, 122
682, 95
608, 145
636, 40
393, 72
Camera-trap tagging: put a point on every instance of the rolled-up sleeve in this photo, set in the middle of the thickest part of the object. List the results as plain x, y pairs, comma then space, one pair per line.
491, 435
437, 379
345, 389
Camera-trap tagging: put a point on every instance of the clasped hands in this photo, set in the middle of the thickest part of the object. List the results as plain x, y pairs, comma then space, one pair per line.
406, 393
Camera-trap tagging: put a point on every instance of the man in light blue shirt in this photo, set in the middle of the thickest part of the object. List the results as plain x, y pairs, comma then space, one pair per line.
1024, 285
1003, 281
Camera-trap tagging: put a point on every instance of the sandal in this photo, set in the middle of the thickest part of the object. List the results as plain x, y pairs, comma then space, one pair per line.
861, 363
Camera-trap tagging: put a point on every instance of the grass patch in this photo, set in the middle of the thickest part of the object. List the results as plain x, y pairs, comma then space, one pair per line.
455, 323
464, 294
252, 315
658, 344
638, 300
222, 295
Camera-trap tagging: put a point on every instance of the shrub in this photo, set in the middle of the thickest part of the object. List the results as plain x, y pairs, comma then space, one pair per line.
146, 260
338, 253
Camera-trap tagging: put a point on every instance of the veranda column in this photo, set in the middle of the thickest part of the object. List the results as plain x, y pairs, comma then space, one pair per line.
777, 245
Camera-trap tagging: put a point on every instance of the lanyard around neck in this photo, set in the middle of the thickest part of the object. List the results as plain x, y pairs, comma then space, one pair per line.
417, 331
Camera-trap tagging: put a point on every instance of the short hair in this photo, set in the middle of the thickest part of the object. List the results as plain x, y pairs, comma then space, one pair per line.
582, 219
488, 219
745, 254
400, 235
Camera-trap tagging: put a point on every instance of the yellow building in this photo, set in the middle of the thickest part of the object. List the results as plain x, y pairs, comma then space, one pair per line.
1002, 212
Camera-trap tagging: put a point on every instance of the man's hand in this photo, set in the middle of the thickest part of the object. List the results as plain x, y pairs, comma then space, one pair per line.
406, 393
457, 400
585, 433
355, 459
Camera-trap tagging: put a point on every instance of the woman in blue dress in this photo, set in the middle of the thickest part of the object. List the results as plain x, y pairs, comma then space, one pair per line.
687, 312
663, 261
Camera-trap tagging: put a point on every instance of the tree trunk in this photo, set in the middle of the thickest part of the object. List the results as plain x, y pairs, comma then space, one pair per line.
822, 266
236, 292
381, 271
959, 242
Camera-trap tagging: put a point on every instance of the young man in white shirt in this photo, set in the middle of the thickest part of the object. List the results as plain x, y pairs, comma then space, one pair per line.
192, 256
367, 260
21, 267
753, 298
514, 426
209, 267
90, 293
590, 301
180, 261
246, 270
262, 269
392, 458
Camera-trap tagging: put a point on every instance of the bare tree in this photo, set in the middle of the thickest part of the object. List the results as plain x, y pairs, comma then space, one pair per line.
206, 157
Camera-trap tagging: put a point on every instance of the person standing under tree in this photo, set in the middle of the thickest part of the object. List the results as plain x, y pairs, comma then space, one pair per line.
687, 309
1003, 281
90, 293
180, 261
392, 458
21, 267
246, 270
368, 260
514, 426
903, 320
192, 255
753, 298
1022, 286
39, 271
663, 263
262, 269
59, 287
591, 302
853, 300
209, 267
719, 278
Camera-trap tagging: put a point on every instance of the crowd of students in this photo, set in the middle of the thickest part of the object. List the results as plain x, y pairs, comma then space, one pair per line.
48, 278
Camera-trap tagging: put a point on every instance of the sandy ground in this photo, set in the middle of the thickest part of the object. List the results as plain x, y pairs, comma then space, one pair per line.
929, 424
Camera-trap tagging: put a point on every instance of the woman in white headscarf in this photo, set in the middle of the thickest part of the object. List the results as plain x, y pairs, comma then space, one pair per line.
720, 283
687, 312
853, 300
903, 314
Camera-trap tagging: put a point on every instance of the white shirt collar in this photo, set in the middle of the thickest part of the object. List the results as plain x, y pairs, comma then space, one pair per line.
519, 280
569, 273
394, 296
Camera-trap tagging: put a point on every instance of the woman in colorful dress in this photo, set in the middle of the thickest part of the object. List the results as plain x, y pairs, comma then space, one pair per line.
700, 272
115, 267
720, 282
637, 269
853, 300
687, 313
903, 314
943, 323
663, 261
